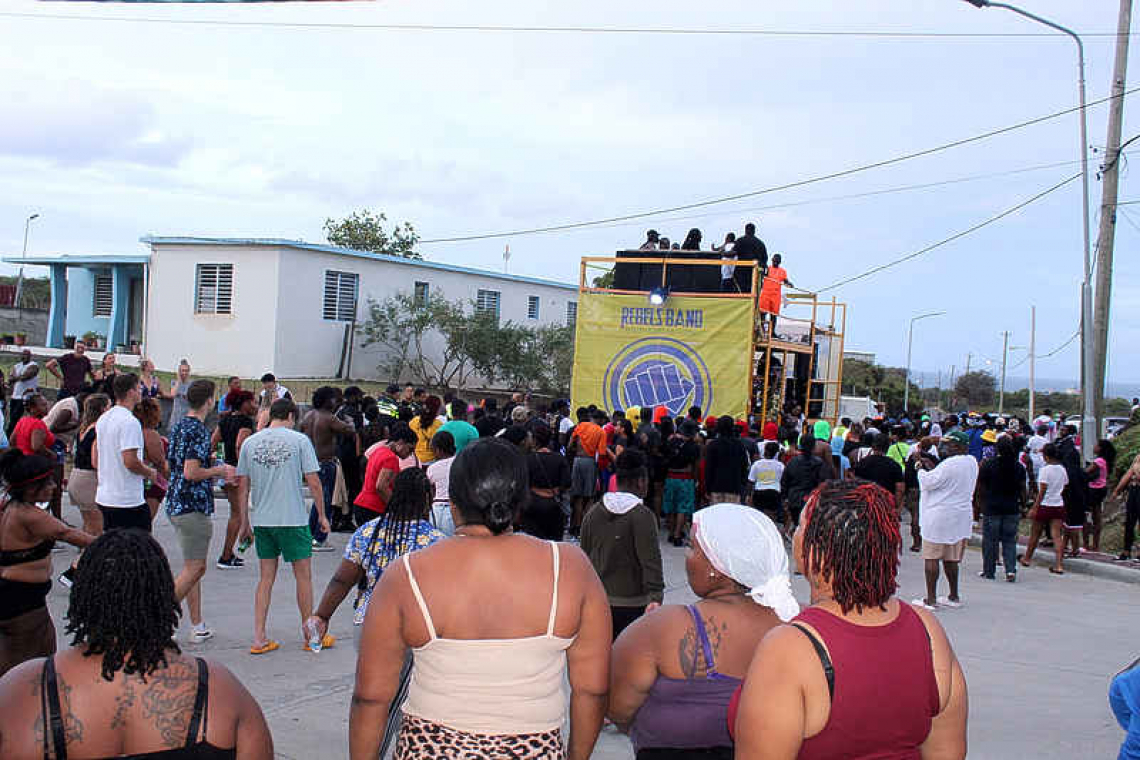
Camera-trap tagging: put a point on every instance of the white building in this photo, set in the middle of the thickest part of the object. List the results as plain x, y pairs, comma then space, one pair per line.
249, 306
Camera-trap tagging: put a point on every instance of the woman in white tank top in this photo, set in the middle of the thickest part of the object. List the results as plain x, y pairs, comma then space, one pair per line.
498, 623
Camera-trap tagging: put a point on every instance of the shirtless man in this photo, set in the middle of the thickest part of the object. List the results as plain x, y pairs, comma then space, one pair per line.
322, 427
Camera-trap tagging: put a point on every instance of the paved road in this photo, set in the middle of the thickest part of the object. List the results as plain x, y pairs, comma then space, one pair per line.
1037, 655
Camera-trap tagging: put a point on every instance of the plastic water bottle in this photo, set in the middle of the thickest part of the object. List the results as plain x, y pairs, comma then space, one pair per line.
244, 544
314, 634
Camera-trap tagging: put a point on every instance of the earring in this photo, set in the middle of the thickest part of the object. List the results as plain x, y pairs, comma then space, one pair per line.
712, 574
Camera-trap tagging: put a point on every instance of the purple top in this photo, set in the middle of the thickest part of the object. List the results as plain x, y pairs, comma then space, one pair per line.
686, 713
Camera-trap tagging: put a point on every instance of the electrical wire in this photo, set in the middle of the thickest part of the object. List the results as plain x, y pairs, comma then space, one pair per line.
952, 238
852, 196
502, 28
777, 188
1055, 351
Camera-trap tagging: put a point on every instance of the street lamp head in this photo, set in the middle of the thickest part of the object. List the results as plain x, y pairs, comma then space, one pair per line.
33, 216
979, 3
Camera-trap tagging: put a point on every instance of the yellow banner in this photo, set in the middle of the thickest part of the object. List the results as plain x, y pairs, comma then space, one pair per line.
687, 352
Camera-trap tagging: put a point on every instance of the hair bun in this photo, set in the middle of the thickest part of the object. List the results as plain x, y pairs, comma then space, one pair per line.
499, 516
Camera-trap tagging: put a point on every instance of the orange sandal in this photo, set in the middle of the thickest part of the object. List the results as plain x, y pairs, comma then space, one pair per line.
268, 647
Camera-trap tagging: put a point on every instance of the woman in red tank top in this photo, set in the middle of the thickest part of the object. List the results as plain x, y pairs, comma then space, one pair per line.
859, 674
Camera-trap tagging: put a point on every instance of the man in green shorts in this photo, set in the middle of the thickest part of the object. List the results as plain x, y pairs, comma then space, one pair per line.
270, 469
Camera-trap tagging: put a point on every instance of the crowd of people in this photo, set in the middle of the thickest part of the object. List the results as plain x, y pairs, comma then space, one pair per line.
557, 576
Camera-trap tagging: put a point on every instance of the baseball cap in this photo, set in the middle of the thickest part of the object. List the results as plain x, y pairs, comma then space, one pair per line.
958, 437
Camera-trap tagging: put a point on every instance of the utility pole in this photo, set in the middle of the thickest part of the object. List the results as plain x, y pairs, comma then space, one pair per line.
950, 392
1004, 359
1107, 235
968, 358
1032, 361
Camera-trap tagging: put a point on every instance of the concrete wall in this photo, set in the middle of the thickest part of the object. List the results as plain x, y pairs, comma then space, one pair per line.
309, 345
243, 343
30, 321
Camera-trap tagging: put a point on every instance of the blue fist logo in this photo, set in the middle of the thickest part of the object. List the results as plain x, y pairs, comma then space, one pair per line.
658, 372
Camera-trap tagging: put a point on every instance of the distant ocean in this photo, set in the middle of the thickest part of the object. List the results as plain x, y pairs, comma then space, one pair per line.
1044, 384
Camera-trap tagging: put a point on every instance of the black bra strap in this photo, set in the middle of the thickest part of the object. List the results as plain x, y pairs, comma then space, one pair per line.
51, 690
201, 704
824, 658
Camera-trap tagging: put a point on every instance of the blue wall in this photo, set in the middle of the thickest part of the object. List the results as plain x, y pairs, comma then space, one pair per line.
81, 295
80, 300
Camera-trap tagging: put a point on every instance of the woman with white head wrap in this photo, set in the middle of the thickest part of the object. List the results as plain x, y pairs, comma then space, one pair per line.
675, 669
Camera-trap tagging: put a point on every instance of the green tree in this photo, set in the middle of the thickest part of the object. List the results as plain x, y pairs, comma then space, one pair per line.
975, 388
365, 231
605, 280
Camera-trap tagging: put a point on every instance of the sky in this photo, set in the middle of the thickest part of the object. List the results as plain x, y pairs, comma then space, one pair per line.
115, 130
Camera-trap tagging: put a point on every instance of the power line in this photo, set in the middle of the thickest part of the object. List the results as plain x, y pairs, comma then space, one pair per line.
776, 188
953, 237
502, 28
857, 196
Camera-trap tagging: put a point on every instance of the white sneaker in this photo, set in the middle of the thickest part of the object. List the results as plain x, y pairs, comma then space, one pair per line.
946, 602
920, 602
198, 635
322, 546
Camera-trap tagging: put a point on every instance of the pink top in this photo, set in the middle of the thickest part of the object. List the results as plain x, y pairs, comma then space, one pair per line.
1101, 479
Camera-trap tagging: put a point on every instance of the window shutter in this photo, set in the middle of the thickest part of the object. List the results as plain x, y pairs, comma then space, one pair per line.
214, 289
532, 303
103, 298
340, 296
571, 313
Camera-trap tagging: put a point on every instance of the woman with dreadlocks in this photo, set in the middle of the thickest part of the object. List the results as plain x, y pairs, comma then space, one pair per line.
123, 688
859, 673
27, 535
404, 527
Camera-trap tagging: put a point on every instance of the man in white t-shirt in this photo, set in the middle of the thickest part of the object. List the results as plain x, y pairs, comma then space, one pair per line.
1046, 420
1049, 508
25, 379
945, 515
765, 475
122, 471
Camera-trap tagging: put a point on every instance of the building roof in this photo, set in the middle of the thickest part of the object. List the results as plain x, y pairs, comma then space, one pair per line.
302, 245
70, 259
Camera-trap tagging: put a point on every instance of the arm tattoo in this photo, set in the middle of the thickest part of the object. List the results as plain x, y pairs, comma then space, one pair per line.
168, 702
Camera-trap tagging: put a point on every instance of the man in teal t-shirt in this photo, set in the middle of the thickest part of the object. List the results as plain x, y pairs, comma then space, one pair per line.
461, 430
271, 466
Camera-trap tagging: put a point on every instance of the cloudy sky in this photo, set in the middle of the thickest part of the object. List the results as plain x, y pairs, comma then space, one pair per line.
113, 130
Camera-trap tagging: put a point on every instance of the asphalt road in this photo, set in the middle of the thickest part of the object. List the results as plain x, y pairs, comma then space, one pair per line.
1037, 654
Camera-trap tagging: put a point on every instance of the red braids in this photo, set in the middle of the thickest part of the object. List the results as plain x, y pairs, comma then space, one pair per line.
851, 539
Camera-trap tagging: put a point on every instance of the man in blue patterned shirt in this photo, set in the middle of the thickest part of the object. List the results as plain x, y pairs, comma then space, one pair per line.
190, 498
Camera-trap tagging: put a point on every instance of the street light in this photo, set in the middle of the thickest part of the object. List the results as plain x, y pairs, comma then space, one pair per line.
24, 255
1086, 284
909, 344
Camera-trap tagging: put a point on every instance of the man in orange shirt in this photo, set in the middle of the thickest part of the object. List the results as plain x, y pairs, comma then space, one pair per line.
587, 441
771, 292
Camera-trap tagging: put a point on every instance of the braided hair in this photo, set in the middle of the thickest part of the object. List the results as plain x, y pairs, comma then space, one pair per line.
851, 540
123, 605
409, 503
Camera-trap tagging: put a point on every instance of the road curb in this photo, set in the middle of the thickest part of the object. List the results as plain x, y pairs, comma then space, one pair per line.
1045, 557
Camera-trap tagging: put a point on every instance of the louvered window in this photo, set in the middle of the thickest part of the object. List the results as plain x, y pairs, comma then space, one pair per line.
214, 289
532, 307
103, 297
421, 294
487, 302
571, 313
340, 295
